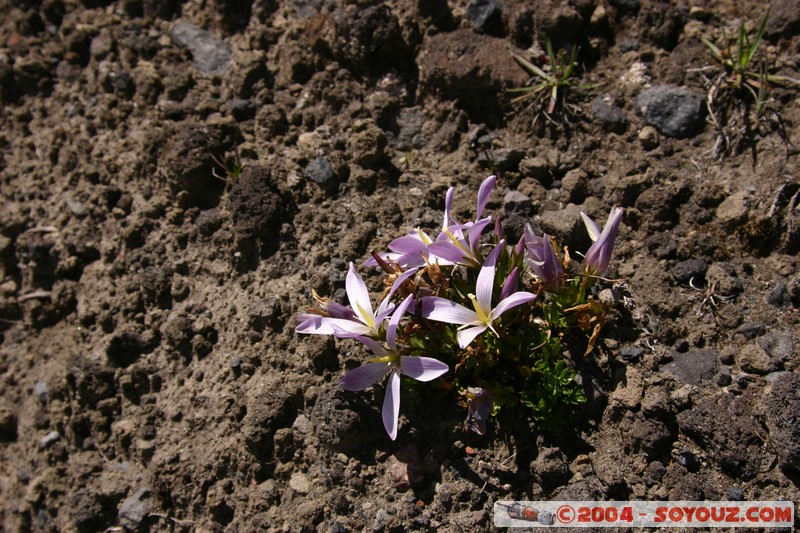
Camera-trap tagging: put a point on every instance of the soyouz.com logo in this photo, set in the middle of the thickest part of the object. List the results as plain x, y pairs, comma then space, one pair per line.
659, 514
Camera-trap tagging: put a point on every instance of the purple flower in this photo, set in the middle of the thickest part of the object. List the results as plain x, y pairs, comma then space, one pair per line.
389, 361
599, 254
474, 322
408, 251
480, 407
542, 259
456, 248
357, 320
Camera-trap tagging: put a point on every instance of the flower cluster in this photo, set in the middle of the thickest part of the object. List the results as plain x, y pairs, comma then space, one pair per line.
486, 317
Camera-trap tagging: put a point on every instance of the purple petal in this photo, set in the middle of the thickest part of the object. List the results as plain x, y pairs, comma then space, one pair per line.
485, 284
384, 310
338, 310
448, 206
373, 345
391, 330
599, 254
359, 296
498, 229
447, 251
401, 278
510, 284
476, 230
364, 376
444, 310
422, 368
408, 244
467, 335
483, 194
518, 298
391, 405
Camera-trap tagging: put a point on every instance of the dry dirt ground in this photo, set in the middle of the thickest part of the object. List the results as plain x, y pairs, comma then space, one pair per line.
151, 379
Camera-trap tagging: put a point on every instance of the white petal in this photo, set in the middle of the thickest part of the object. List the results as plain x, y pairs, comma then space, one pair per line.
444, 310
467, 335
391, 405
359, 296
518, 298
422, 368
591, 227
485, 284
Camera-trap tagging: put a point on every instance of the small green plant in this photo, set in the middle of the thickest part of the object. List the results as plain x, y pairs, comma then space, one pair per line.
230, 165
738, 86
548, 85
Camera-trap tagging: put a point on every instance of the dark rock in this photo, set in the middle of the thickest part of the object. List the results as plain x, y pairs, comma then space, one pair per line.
724, 377
782, 408
674, 111
631, 353
684, 271
724, 427
322, 172
778, 296
516, 202
486, 16
778, 346
410, 134
610, 116
735, 494
211, 55
655, 473
688, 460
501, 159
136, 507
751, 330
693, 366
566, 225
